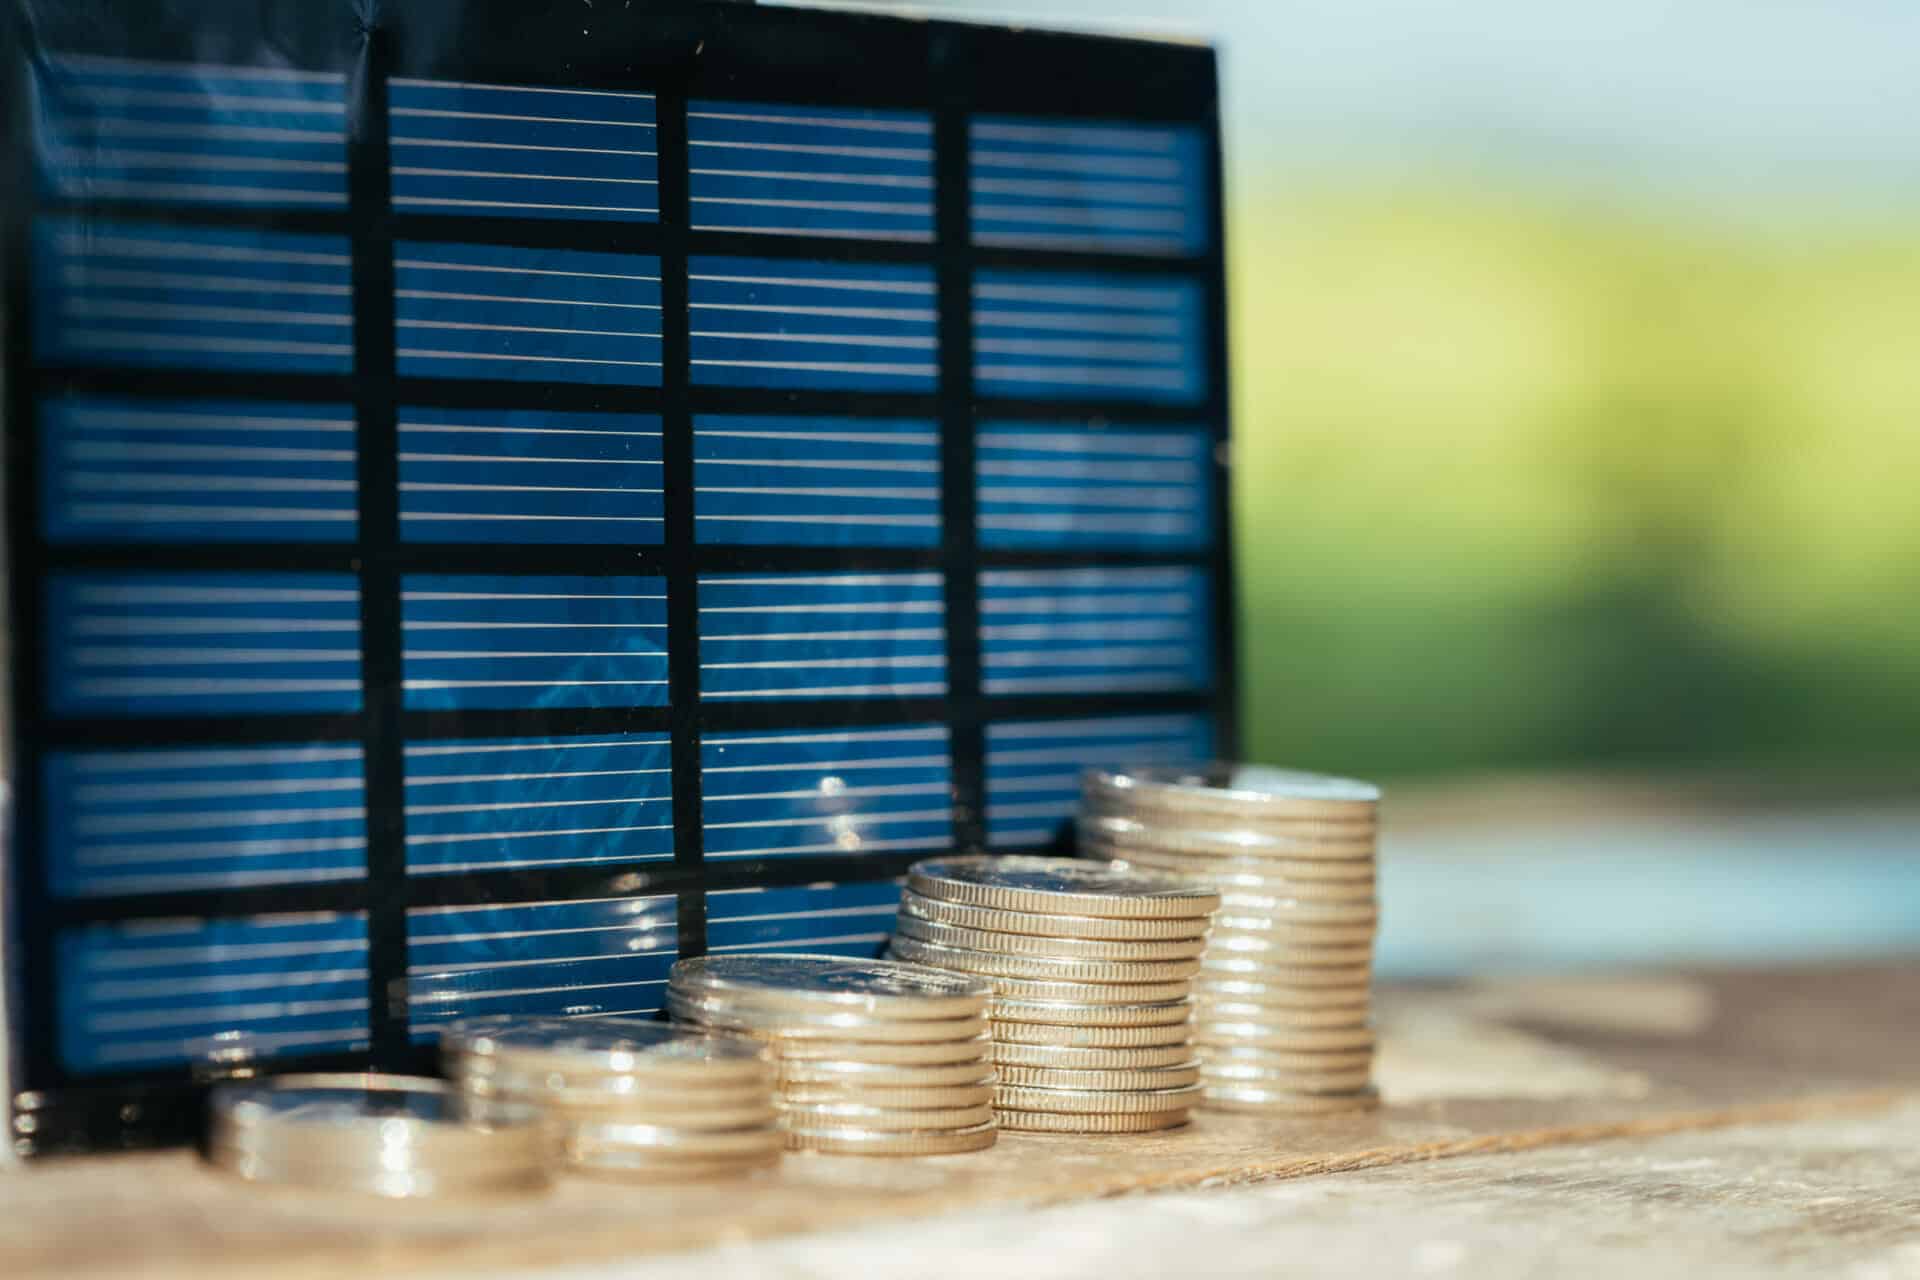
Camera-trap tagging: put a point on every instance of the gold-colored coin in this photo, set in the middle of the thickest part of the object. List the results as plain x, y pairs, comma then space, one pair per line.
1277, 913
1084, 1122
994, 965
792, 1025
892, 1097
1328, 973
666, 1141
1024, 944
800, 983
1056, 1055
883, 1052
1281, 1036
1316, 1082
1042, 1035
816, 1071
1261, 875
869, 1142
1063, 885
1141, 829
1303, 1019
1182, 1073
693, 1117
1285, 993
1043, 924
1033, 1014
1280, 1102
1235, 790
1103, 1101
1243, 953
1303, 1061
814, 1115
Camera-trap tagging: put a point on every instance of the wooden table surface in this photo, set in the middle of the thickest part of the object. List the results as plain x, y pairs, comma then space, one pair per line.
1468, 1071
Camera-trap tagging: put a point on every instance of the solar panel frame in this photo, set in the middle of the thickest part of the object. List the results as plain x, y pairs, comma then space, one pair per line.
847, 67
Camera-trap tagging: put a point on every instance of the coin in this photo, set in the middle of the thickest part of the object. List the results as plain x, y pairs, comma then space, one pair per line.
893, 1097
572, 1052
1050, 924
1285, 995
1280, 1102
1288, 912
858, 1142
880, 988
392, 1136
1231, 969
1013, 992
672, 1141
1303, 1061
1056, 1055
1305, 1019
1235, 790
1281, 1036
1241, 954
1069, 1122
1063, 1015
1320, 1082
995, 964
680, 1111
1064, 885
793, 1025
1177, 823
1100, 1101
813, 1072
814, 1115
1072, 1035
1149, 1078
1131, 832
1257, 874
1057, 948
1295, 936
882, 1052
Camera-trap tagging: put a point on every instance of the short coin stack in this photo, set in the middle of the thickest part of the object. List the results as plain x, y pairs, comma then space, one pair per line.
874, 1057
1091, 970
402, 1137
634, 1099
1284, 989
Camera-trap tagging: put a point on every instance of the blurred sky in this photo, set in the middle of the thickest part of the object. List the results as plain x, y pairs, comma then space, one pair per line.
1730, 100
1576, 360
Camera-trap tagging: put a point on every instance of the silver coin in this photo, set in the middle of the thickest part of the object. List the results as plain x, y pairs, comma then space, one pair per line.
393, 1136
1234, 789
811, 1071
871, 1142
1049, 924
996, 965
1096, 1101
880, 988
1023, 944
1089, 1058
793, 1024
1220, 1097
1093, 1015
830, 1115
1064, 885
935, 1054
1136, 830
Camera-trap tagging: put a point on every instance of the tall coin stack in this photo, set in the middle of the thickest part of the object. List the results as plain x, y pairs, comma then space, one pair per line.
1091, 970
1284, 990
635, 1099
874, 1057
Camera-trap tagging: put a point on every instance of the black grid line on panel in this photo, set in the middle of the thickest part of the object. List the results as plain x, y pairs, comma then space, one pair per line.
677, 478
678, 50
376, 414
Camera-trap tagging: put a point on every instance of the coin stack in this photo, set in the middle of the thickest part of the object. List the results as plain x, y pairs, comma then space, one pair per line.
1284, 990
403, 1137
635, 1099
874, 1057
1091, 970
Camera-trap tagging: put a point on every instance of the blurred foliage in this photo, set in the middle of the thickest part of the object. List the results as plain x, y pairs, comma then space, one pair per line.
1534, 484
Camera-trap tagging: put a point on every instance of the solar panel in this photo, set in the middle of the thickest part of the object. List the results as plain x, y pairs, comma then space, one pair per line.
516, 494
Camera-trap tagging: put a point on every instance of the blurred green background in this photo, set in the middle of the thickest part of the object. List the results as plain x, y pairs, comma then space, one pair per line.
1534, 482
1577, 377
